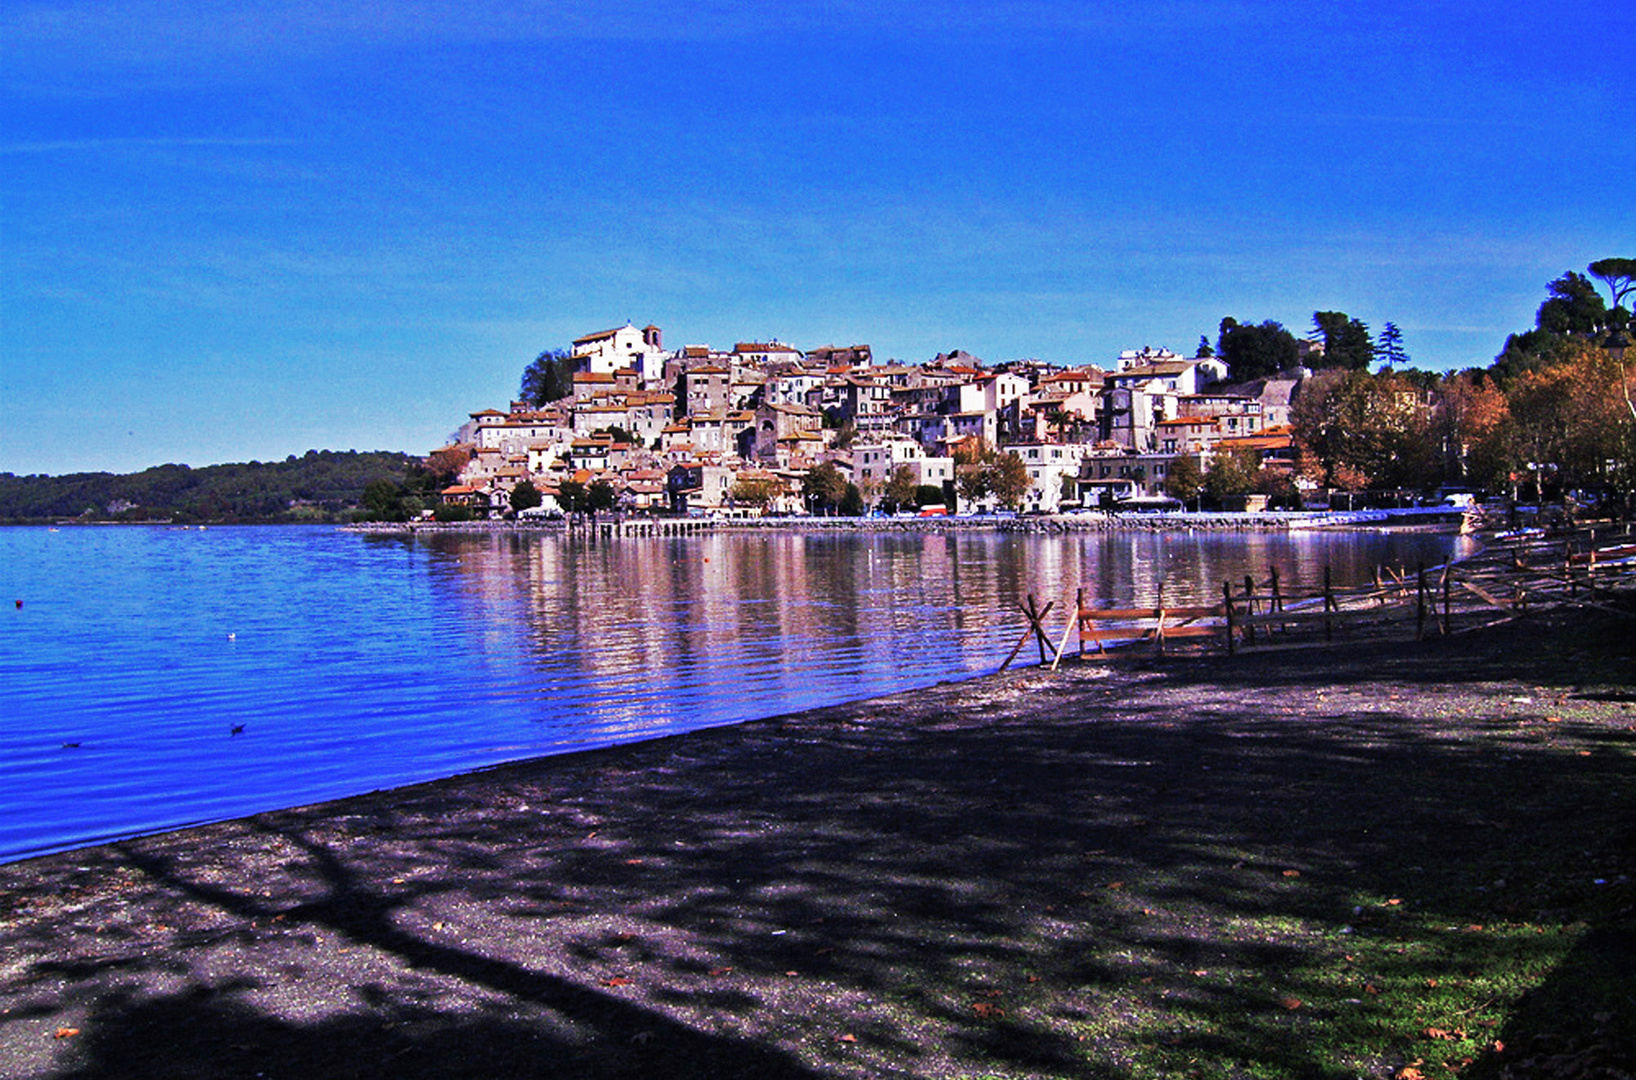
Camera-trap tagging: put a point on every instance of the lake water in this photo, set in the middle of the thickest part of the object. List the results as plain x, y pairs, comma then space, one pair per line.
358, 662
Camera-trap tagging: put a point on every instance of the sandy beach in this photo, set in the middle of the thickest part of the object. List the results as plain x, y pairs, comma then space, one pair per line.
1030, 874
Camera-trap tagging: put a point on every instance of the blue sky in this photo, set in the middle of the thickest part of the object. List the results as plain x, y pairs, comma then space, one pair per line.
234, 232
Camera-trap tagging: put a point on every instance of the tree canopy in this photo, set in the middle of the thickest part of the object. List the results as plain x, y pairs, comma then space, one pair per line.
824, 488
1389, 347
1183, 478
550, 377
1255, 352
1345, 340
321, 485
525, 496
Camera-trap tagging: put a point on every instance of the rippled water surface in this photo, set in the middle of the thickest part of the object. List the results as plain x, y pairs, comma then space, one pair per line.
356, 662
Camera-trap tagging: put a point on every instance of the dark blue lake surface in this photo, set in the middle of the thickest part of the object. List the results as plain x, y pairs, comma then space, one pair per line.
360, 662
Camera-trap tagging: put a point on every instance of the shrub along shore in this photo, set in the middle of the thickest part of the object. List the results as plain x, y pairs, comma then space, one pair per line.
1383, 861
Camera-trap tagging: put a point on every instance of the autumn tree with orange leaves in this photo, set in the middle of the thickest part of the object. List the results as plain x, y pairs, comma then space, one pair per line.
1571, 426
1471, 424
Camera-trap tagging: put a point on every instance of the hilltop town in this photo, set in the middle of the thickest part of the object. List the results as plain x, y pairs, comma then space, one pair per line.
743, 432
1259, 419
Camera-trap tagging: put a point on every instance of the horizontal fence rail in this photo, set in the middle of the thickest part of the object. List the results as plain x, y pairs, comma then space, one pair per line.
1515, 575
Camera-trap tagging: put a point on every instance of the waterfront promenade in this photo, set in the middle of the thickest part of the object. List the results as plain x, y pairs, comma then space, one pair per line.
1290, 864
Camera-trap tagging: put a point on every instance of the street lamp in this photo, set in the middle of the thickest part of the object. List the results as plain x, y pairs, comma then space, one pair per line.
1617, 343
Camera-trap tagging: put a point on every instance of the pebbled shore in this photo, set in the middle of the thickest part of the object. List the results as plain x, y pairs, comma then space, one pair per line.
1007, 877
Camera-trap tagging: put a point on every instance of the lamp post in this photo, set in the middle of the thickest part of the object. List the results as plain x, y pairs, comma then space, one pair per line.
1616, 342
1616, 345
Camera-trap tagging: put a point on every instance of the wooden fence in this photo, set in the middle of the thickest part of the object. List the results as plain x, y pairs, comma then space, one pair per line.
1514, 575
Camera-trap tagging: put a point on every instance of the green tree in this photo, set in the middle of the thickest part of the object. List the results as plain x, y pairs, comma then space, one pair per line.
1620, 276
525, 496
1009, 479
929, 495
1253, 352
571, 496
1389, 349
899, 493
1279, 487
1184, 479
451, 512
1574, 307
1573, 312
971, 482
824, 487
600, 495
1355, 429
549, 378
852, 501
1232, 473
1346, 341
383, 501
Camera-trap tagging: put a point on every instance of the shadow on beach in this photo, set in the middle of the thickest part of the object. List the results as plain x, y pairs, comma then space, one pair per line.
1028, 875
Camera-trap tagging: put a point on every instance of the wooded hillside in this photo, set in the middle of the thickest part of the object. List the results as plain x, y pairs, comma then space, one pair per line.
321, 485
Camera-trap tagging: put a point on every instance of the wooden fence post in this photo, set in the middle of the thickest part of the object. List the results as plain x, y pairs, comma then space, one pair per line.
1249, 608
1420, 605
1079, 621
1227, 603
1329, 605
1159, 630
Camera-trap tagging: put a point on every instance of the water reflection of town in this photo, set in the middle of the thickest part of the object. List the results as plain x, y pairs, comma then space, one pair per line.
641, 635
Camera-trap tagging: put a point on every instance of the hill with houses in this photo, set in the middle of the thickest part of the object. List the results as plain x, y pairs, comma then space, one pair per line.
700, 430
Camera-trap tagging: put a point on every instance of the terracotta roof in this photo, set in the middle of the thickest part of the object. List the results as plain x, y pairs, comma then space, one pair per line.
1255, 442
1154, 371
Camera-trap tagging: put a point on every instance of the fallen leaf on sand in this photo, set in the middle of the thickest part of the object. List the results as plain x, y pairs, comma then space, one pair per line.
1290, 1003
66, 1033
849, 1038
987, 1010
617, 980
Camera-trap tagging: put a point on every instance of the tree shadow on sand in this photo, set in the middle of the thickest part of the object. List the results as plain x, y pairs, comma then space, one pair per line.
1057, 876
